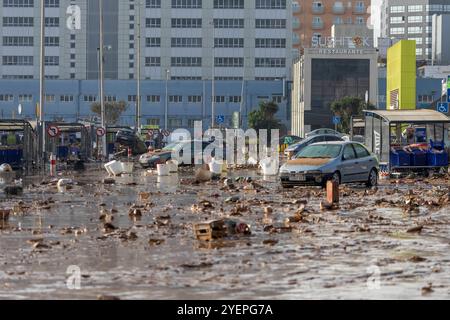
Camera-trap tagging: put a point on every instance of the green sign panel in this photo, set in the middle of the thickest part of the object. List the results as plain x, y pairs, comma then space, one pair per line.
448, 82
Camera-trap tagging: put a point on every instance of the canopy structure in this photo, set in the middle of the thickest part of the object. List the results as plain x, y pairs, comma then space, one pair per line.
72, 138
413, 116
389, 132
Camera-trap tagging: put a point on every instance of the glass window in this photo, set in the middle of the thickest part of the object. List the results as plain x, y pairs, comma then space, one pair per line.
397, 9
349, 152
361, 152
415, 8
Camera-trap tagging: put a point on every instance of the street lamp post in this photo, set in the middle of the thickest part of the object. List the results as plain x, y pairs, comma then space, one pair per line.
138, 61
166, 109
102, 95
41, 79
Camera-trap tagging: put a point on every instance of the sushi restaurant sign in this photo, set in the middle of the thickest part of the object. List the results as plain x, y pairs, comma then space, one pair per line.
341, 42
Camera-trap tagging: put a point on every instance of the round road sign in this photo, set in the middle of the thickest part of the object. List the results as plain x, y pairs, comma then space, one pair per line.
101, 132
53, 131
166, 133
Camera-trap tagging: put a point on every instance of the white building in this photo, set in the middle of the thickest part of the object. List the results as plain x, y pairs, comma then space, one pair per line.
250, 39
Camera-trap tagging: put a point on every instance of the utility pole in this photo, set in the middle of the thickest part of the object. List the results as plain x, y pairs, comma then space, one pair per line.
166, 107
213, 84
102, 94
138, 61
41, 80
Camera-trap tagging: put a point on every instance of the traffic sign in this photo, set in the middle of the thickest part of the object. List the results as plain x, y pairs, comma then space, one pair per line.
101, 132
220, 119
166, 133
53, 131
336, 120
442, 107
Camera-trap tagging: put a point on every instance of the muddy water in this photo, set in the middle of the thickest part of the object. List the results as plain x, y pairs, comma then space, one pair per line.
360, 251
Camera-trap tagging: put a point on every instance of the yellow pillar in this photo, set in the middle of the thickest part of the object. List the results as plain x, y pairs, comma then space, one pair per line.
401, 76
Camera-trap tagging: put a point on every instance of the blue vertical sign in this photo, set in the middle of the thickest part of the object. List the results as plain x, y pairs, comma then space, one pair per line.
448, 89
442, 107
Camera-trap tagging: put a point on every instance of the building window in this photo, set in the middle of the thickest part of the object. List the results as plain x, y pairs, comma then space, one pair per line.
18, 41
152, 61
66, 98
270, 62
176, 99
415, 19
191, 122
25, 98
153, 4
399, 30
228, 4
415, 8
153, 99
132, 98
90, 98
414, 29
153, 22
270, 43
50, 98
186, 62
234, 99
395, 20
6, 98
228, 62
52, 61
219, 99
186, 23
153, 122
270, 4
270, 23
229, 23
194, 99
17, 60
153, 42
52, 41
186, 42
397, 9
418, 40
187, 4
419, 52
18, 21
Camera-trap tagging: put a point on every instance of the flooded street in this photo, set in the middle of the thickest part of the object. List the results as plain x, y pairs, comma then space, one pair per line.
387, 243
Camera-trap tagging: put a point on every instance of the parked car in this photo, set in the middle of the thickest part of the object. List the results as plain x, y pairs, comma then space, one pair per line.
286, 141
339, 161
151, 159
292, 150
322, 131
128, 138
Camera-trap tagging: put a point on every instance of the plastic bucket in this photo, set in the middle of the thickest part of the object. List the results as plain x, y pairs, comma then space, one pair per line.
215, 167
163, 170
173, 166
269, 167
224, 167
127, 167
114, 168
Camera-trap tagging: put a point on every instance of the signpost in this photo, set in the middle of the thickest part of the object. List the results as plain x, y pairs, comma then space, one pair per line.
100, 132
336, 121
220, 119
53, 131
442, 107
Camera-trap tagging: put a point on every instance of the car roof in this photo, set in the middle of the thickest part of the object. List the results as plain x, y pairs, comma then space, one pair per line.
341, 143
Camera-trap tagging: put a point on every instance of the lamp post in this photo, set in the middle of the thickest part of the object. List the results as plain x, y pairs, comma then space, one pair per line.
166, 109
138, 61
102, 94
41, 80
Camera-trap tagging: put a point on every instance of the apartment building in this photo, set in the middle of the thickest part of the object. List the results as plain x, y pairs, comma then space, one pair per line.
412, 19
315, 18
245, 46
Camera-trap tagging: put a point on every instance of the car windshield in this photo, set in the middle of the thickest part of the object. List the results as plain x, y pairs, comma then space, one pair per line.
320, 151
171, 146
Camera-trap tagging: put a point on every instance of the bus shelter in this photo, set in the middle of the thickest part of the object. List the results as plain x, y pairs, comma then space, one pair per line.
69, 141
408, 140
18, 146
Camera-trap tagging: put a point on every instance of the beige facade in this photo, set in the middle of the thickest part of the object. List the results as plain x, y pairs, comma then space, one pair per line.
310, 99
316, 17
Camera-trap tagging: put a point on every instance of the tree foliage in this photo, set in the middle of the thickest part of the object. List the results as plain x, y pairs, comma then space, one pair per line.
349, 107
265, 118
113, 110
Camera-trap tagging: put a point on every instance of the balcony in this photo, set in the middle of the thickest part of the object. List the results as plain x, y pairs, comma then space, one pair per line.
296, 7
295, 39
318, 8
338, 9
359, 10
296, 23
317, 25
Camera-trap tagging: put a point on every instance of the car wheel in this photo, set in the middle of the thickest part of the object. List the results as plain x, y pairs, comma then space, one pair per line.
373, 179
336, 177
286, 186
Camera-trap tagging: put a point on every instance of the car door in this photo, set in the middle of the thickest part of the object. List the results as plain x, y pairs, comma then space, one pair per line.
348, 168
365, 162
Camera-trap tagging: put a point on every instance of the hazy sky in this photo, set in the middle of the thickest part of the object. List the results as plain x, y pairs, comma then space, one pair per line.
376, 16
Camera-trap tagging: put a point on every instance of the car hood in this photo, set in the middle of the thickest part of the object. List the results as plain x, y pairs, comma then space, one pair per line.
306, 164
155, 153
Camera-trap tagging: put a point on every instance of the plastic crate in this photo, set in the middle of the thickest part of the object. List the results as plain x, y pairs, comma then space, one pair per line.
400, 158
419, 158
437, 159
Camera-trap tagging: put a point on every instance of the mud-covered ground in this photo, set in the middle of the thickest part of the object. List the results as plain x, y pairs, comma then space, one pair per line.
391, 242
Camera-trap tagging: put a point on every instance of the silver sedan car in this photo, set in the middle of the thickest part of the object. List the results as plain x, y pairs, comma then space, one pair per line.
340, 161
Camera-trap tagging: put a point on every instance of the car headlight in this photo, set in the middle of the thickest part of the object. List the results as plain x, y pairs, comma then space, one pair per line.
314, 172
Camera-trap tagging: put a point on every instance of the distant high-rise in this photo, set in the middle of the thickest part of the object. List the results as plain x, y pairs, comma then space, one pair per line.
316, 17
412, 19
250, 39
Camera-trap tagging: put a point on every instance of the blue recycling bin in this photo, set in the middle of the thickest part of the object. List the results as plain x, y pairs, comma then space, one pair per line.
62, 152
437, 159
400, 158
419, 158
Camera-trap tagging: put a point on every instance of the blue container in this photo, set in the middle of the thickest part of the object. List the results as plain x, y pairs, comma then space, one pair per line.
437, 159
419, 158
62, 152
400, 158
